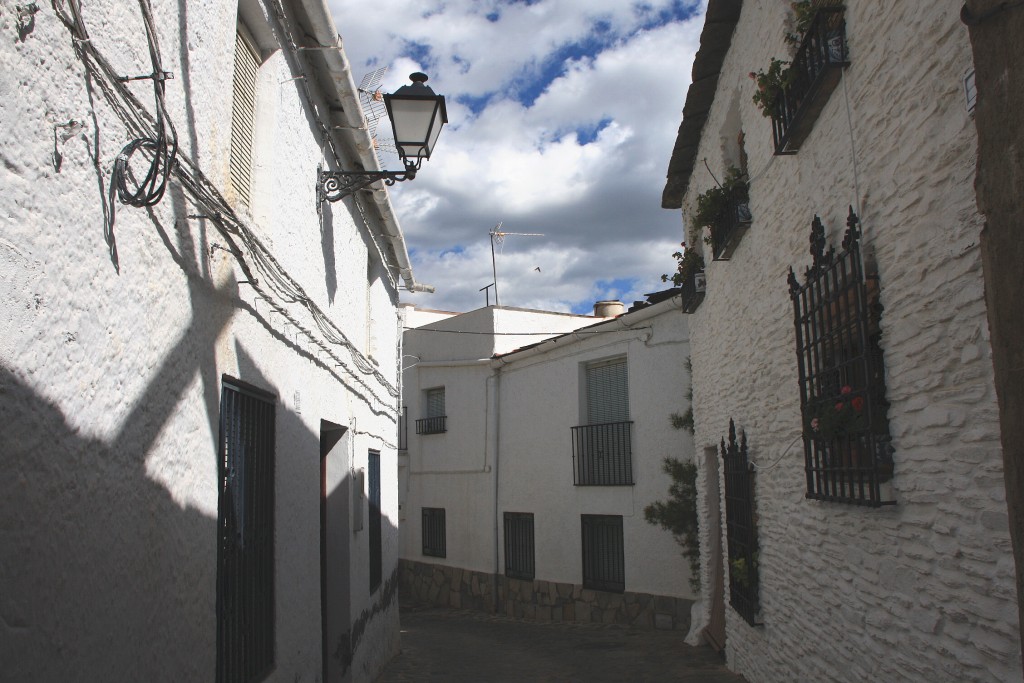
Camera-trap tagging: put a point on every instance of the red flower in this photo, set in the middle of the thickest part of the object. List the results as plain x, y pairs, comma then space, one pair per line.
857, 403
845, 390
839, 407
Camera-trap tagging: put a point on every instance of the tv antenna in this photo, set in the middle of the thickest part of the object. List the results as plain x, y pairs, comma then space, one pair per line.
499, 235
374, 110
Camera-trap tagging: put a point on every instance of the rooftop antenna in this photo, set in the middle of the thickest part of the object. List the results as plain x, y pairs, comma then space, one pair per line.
374, 110
498, 234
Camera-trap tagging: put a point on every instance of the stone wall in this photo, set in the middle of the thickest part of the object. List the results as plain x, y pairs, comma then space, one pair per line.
922, 590
421, 583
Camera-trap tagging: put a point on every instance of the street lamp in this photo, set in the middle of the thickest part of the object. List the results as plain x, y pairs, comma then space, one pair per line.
416, 115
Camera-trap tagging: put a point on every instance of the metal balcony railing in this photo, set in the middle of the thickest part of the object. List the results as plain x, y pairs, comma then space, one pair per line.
432, 425
602, 454
731, 226
814, 73
692, 291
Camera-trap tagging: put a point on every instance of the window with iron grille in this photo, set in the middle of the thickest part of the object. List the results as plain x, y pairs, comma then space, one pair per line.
245, 533
519, 560
403, 429
604, 560
373, 476
741, 527
434, 532
243, 114
847, 447
435, 421
602, 448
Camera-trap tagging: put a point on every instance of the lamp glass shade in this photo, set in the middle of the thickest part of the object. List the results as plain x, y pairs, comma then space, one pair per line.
417, 116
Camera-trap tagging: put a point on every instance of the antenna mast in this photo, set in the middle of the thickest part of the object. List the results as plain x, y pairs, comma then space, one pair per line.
496, 232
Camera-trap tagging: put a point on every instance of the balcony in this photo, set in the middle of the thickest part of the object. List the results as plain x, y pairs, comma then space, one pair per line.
602, 454
692, 291
813, 76
732, 224
432, 425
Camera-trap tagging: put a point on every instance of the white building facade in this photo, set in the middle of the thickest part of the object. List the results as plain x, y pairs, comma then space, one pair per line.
530, 464
199, 400
878, 548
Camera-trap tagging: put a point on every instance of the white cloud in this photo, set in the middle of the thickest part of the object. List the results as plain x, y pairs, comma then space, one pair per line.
598, 202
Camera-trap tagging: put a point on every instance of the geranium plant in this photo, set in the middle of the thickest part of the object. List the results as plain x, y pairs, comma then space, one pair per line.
770, 84
803, 15
690, 262
713, 204
835, 419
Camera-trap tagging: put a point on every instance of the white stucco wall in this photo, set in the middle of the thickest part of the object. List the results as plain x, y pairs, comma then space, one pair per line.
923, 590
111, 377
454, 470
540, 403
532, 403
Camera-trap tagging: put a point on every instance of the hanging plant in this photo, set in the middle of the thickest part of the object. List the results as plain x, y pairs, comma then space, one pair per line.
770, 85
713, 204
803, 15
689, 262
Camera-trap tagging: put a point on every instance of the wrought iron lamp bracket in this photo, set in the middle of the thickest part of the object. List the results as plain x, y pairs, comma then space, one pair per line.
335, 185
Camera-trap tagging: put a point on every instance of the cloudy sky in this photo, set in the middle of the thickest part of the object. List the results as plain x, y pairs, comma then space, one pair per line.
562, 116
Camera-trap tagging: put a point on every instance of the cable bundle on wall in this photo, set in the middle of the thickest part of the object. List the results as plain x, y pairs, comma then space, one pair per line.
156, 138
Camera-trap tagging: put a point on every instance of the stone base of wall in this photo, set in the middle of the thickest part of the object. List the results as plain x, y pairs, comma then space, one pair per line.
436, 585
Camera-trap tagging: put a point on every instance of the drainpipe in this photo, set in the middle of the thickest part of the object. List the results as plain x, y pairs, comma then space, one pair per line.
496, 405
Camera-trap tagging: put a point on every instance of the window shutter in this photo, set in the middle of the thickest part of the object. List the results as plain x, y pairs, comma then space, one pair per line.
607, 392
435, 402
243, 114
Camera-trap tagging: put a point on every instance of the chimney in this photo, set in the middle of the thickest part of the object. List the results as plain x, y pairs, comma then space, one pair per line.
609, 309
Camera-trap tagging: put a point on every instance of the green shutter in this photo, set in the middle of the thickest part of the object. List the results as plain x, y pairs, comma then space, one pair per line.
607, 392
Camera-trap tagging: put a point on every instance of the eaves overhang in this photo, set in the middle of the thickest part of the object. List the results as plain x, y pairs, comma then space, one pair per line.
715, 40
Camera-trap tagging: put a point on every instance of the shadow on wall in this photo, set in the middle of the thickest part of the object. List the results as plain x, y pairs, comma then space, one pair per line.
105, 576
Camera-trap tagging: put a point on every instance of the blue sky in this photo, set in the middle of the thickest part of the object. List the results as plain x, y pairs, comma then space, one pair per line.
562, 115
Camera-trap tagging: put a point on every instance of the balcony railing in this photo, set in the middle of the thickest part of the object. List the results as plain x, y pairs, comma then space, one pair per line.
602, 454
692, 291
431, 425
731, 226
814, 73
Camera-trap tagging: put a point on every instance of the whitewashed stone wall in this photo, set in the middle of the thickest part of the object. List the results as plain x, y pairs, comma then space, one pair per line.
511, 419
923, 590
110, 376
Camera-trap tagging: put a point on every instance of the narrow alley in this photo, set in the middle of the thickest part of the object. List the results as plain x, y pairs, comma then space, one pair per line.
459, 645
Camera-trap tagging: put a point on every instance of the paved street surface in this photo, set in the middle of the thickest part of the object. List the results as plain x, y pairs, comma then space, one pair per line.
463, 646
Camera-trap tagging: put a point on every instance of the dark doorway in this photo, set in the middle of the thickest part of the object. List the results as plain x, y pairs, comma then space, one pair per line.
335, 602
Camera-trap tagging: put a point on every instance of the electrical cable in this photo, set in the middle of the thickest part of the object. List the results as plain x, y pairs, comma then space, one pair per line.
207, 198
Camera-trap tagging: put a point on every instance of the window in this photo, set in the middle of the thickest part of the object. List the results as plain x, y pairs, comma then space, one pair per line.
602, 448
519, 545
741, 529
243, 114
434, 532
841, 373
435, 421
373, 467
245, 533
604, 564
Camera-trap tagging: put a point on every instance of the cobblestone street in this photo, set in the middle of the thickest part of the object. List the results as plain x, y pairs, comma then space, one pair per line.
463, 646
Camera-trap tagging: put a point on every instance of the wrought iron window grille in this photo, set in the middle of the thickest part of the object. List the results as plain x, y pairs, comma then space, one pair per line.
604, 561
403, 429
741, 528
432, 425
814, 74
434, 535
245, 533
519, 545
733, 224
692, 291
602, 454
847, 446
